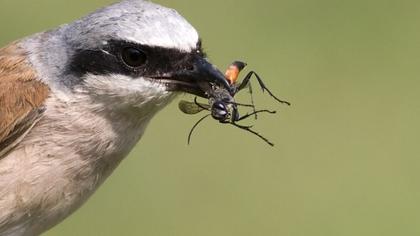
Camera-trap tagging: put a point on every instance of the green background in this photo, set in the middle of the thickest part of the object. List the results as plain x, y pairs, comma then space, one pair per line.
346, 160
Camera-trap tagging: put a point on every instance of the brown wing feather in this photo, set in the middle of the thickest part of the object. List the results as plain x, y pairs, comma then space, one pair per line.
21, 97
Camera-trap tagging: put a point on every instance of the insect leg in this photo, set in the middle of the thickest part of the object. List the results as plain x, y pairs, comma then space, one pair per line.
237, 125
255, 112
195, 125
253, 132
242, 104
245, 81
252, 100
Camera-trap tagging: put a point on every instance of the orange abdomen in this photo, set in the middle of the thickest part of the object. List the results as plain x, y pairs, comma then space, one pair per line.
232, 74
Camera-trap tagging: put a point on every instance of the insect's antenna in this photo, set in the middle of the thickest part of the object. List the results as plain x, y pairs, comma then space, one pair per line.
195, 125
198, 104
255, 133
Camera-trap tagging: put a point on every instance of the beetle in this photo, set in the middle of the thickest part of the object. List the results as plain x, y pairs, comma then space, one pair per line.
222, 105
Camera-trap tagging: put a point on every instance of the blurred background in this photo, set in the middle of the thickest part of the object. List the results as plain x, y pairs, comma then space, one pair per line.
346, 160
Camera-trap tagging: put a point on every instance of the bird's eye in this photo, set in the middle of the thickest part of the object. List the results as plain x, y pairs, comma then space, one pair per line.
133, 57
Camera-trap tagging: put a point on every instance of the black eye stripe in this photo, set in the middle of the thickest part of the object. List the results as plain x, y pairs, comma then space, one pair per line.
109, 60
94, 62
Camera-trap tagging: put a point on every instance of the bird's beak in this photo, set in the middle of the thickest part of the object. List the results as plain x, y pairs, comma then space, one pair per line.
197, 80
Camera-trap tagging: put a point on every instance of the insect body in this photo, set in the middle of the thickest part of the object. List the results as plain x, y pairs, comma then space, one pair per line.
222, 105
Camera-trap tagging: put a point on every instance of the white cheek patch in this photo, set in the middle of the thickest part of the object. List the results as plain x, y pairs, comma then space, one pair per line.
122, 84
122, 90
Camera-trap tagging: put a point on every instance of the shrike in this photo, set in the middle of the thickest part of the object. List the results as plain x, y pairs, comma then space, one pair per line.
75, 100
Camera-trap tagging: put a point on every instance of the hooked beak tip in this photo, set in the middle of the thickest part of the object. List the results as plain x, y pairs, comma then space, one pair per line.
206, 71
198, 80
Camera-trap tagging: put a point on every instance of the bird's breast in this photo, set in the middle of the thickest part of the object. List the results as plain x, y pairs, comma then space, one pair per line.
63, 160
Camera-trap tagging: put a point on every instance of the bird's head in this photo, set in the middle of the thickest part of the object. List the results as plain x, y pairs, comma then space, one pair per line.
125, 56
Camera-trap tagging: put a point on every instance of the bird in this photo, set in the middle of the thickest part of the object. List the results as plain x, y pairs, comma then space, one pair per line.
76, 99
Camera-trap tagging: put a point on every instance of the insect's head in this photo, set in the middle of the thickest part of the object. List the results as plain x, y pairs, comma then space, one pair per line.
220, 111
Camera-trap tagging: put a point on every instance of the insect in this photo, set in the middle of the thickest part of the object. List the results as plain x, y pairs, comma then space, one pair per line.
222, 105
